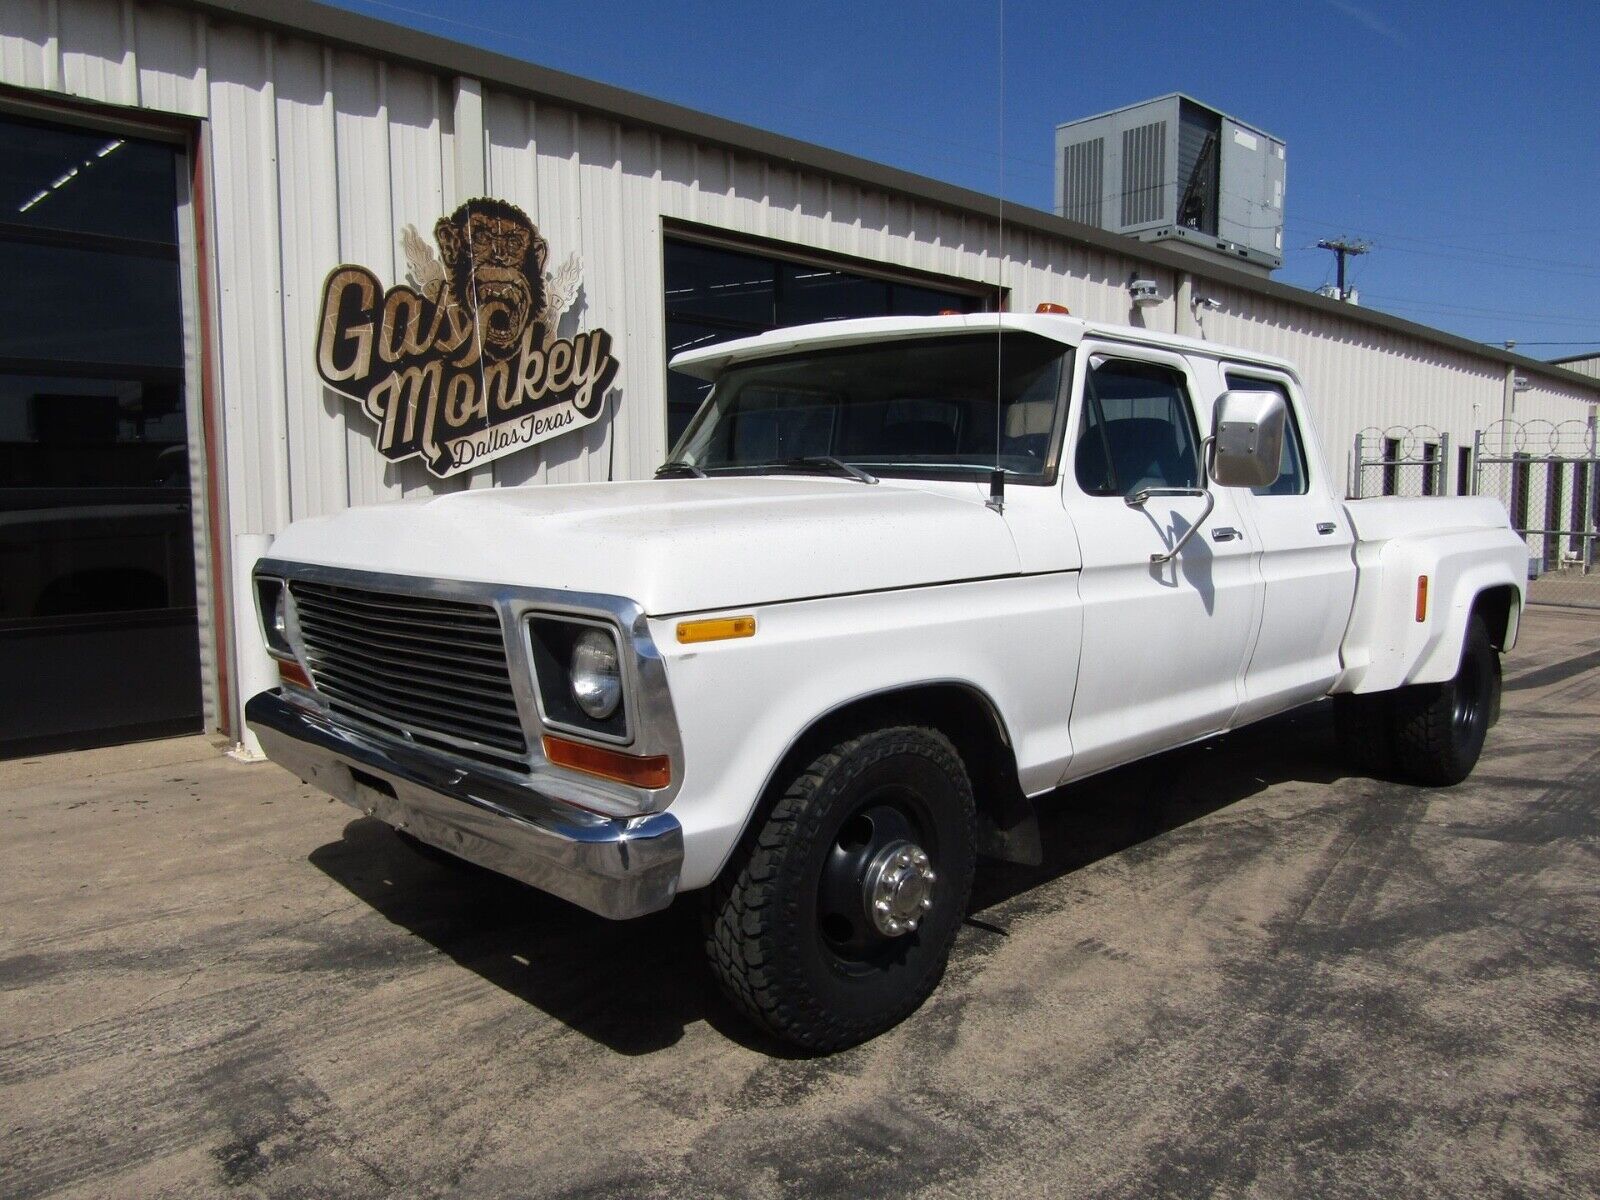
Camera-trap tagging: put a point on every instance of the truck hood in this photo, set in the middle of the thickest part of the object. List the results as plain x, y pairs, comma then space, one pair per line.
674, 546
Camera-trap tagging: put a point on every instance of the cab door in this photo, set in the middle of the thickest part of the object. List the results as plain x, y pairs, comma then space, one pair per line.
1307, 564
1164, 644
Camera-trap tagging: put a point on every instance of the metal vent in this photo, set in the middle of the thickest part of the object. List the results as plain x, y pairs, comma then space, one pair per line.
1144, 170
1083, 180
426, 670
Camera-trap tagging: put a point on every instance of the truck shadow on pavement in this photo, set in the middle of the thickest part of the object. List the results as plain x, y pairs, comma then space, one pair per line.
634, 986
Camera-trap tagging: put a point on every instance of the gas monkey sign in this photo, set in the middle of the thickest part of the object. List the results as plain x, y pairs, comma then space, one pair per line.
461, 365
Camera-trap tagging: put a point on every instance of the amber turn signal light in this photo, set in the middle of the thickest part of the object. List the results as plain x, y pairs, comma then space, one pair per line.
645, 771
1422, 598
719, 629
1060, 310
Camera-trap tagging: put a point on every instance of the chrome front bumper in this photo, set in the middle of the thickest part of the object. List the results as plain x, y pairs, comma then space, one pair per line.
614, 867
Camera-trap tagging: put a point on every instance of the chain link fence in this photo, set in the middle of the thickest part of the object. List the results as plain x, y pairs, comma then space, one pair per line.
1402, 460
1548, 477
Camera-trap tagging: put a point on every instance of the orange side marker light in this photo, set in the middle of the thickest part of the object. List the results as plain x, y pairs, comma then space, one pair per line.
1422, 598
716, 629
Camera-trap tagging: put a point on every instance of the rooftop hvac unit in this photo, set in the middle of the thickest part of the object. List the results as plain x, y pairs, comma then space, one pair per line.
1177, 171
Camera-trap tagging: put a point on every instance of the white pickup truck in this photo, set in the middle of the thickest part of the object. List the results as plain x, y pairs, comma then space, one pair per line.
900, 578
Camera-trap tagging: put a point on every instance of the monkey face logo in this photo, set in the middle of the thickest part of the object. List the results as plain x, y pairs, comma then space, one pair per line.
494, 268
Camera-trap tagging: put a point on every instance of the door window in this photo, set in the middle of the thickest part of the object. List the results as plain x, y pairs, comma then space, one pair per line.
1291, 479
1137, 430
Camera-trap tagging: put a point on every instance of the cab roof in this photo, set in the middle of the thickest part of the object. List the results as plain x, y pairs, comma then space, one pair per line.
709, 362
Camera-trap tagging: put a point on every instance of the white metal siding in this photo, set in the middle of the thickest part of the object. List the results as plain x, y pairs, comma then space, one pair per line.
319, 156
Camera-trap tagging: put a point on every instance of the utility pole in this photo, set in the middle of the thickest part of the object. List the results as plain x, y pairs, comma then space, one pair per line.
1343, 248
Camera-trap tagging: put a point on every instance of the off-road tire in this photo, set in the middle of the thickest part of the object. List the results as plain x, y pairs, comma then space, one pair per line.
763, 928
1364, 728
1439, 728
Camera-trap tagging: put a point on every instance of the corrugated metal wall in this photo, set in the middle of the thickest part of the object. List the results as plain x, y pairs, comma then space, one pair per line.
319, 156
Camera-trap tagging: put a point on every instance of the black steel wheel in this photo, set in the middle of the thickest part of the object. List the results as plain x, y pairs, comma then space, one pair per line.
835, 919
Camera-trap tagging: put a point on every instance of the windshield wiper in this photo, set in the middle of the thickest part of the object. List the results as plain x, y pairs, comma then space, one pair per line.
827, 460
678, 467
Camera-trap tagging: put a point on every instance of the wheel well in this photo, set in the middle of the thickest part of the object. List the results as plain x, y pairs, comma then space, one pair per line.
1497, 607
1007, 828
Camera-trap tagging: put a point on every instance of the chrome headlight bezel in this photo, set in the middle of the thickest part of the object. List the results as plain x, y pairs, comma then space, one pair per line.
553, 639
274, 620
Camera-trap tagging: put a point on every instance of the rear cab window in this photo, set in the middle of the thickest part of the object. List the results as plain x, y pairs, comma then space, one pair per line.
1292, 479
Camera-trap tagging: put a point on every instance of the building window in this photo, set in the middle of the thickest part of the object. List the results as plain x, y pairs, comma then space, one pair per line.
1519, 491
1430, 468
1464, 471
715, 294
1391, 466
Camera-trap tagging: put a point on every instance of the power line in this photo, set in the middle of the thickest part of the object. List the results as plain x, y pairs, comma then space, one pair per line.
1566, 318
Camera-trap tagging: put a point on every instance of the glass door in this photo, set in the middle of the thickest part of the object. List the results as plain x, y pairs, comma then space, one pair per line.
98, 628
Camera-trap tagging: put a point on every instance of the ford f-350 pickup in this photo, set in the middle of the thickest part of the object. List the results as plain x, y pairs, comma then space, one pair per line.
900, 578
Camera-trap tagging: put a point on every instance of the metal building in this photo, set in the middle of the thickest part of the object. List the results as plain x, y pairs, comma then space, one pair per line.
1176, 171
1584, 364
238, 223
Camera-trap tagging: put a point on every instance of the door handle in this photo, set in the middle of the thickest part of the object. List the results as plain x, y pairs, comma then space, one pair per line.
1224, 533
1326, 527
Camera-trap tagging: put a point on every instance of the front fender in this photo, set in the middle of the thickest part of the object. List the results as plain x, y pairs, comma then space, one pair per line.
741, 703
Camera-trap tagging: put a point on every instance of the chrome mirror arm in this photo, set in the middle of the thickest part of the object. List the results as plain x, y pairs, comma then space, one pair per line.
1139, 498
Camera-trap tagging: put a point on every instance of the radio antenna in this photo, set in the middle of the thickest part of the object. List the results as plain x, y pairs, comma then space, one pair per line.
997, 480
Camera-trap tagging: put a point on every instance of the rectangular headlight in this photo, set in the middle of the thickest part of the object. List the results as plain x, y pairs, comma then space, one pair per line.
581, 674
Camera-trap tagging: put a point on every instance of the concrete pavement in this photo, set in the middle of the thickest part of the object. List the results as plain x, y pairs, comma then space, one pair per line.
1241, 972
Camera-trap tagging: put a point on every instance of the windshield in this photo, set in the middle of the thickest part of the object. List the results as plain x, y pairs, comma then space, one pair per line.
924, 406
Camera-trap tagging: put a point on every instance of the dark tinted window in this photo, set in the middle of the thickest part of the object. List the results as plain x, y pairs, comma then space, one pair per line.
61, 177
1291, 479
89, 305
1137, 430
94, 469
715, 294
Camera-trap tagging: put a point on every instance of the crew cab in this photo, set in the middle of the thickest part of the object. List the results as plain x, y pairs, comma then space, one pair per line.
900, 580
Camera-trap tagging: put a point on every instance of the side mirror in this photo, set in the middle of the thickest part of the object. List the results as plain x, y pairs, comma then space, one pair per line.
1248, 428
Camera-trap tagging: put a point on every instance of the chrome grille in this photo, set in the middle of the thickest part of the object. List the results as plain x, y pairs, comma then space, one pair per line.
432, 671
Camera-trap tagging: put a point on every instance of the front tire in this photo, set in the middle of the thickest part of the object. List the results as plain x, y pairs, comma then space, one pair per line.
835, 919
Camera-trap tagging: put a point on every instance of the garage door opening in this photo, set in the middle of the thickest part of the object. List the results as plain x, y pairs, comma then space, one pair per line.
98, 627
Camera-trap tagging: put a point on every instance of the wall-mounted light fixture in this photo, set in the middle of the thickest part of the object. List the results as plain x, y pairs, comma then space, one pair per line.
1144, 293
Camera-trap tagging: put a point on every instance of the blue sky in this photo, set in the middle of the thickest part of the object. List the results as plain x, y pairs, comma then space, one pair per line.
1461, 140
